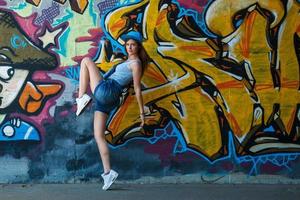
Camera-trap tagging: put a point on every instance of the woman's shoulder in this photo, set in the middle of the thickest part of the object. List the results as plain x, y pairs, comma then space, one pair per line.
134, 62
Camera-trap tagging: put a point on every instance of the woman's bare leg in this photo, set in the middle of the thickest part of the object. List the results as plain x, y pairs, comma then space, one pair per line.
89, 73
99, 134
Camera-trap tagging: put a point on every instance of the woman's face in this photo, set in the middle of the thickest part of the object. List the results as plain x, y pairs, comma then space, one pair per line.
132, 47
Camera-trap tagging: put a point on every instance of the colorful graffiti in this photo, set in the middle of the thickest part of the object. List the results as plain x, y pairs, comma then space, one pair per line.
78, 6
20, 59
224, 77
236, 81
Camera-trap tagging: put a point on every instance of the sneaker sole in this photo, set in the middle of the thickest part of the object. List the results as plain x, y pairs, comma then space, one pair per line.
84, 107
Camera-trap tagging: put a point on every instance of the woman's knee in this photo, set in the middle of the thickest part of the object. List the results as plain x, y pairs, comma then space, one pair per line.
86, 60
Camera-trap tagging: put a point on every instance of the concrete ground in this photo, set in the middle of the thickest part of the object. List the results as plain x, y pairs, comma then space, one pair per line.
193, 191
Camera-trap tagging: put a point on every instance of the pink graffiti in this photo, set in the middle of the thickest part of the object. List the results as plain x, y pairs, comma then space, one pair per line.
28, 25
197, 5
94, 37
2, 3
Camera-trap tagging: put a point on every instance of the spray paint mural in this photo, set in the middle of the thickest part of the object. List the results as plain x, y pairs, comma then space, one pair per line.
20, 58
223, 82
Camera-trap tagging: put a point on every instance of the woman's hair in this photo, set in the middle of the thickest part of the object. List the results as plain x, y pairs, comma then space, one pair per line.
144, 57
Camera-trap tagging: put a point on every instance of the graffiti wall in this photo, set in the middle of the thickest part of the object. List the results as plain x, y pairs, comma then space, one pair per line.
221, 91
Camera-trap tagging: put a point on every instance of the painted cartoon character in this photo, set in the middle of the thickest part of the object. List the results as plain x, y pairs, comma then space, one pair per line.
19, 59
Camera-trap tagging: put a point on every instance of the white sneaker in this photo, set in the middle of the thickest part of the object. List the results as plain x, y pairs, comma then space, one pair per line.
109, 179
82, 102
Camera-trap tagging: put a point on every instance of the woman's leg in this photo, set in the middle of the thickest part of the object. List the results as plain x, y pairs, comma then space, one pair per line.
99, 134
89, 73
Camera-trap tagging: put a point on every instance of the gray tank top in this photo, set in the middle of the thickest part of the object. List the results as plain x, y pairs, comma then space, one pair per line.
123, 74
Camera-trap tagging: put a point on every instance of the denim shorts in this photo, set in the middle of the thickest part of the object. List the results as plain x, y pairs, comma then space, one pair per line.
107, 94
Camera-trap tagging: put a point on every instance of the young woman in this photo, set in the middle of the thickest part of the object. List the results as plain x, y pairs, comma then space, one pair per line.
107, 91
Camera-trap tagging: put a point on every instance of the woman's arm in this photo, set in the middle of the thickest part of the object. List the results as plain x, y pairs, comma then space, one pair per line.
137, 76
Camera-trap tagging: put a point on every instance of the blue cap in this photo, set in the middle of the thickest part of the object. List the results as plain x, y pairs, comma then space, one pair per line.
133, 35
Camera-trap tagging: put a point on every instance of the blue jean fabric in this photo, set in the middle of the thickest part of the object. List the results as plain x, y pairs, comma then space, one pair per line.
107, 94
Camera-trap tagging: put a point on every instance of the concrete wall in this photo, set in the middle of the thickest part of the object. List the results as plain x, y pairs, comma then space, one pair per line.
221, 93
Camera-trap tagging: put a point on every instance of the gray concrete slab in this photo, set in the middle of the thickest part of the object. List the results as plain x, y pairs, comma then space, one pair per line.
149, 191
